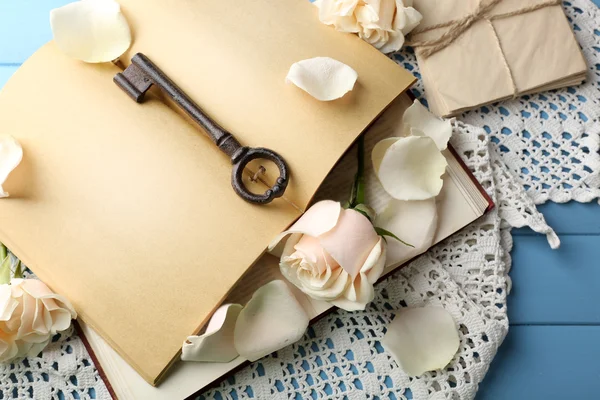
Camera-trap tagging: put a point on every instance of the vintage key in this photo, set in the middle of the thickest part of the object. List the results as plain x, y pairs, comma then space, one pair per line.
137, 79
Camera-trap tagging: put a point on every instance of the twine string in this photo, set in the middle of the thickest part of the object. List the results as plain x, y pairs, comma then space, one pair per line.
427, 48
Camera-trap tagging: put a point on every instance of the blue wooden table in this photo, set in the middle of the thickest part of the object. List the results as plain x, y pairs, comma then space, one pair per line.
553, 348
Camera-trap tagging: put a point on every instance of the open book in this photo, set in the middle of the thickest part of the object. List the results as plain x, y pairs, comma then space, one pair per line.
461, 201
127, 209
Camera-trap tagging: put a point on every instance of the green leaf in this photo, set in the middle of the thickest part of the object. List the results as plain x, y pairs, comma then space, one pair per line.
363, 213
357, 195
3, 251
352, 200
382, 232
18, 271
5, 271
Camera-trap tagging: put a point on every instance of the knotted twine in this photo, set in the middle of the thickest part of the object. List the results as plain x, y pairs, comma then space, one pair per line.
457, 27
426, 48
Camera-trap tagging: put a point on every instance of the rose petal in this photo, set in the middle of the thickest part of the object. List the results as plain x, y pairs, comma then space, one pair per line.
407, 19
311, 248
361, 292
422, 339
345, 8
351, 241
394, 43
7, 303
418, 121
11, 155
272, 320
386, 10
216, 344
368, 16
8, 349
317, 220
379, 151
34, 349
93, 31
375, 264
38, 289
338, 14
415, 221
60, 315
323, 78
411, 169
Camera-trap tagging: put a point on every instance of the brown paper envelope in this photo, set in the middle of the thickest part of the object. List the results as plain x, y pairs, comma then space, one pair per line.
439, 11
540, 48
537, 48
468, 72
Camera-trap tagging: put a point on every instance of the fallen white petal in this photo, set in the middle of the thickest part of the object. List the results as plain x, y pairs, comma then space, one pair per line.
11, 155
412, 221
317, 220
380, 149
323, 78
216, 344
418, 121
93, 31
411, 168
272, 320
422, 339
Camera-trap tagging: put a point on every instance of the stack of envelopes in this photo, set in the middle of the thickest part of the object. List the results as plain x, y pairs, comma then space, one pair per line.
512, 48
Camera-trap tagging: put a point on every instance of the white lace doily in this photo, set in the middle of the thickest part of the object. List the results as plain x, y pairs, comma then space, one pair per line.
525, 152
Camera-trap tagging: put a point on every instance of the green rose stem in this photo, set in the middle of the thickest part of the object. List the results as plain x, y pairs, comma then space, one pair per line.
360, 174
357, 196
18, 271
5, 267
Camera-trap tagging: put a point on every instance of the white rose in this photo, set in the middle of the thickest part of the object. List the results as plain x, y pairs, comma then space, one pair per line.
382, 23
333, 255
30, 314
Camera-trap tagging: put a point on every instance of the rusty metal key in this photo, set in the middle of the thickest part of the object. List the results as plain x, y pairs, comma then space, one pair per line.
137, 79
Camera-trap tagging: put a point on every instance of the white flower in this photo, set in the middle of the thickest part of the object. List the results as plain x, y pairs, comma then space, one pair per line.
382, 23
30, 314
333, 255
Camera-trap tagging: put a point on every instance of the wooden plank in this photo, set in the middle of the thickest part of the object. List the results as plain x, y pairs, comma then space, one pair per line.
6, 73
554, 362
555, 286
570, 218
24, 27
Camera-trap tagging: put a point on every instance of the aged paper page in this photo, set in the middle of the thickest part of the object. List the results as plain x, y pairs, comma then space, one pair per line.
233, 57
460, 203
126, 209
